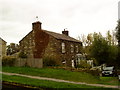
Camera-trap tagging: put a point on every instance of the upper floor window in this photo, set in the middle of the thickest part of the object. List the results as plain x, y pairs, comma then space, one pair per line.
63, 47
76, 49
72, 48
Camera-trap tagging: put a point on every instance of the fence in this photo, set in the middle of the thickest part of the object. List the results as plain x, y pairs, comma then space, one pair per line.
29, 62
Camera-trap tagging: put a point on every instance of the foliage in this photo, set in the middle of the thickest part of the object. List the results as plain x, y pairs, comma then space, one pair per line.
102, 49
99, 49
12, 48
94, 61
83, 64
112, 57
8, 61
49, 61
22, 55
118, 38
118, 32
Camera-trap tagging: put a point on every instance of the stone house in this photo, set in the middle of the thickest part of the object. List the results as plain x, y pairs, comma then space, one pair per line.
2, 48
41, 43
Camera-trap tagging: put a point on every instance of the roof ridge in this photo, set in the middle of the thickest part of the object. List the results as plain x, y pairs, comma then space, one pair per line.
57, 36
61, 36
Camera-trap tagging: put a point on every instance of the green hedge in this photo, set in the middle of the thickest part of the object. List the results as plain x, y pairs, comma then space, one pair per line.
83, 64
22, 55
8, 61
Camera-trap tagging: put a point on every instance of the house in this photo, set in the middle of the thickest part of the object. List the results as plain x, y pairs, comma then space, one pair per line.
2, 48
41, 43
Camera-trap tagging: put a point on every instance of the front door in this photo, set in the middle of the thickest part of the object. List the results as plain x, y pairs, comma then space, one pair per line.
73, 64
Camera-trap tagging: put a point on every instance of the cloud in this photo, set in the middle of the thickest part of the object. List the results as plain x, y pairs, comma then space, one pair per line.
79, 16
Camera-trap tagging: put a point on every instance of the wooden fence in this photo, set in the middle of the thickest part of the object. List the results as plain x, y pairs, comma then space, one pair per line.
29, 62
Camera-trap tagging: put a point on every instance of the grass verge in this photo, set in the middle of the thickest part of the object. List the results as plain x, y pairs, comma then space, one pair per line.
109, 80
62, 74
47, 84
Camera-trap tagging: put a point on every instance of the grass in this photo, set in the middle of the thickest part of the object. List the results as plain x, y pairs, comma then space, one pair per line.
62, 74
109, 80
54, 73
46, 84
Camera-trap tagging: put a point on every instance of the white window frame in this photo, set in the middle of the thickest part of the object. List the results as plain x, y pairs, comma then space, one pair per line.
72, 48
77, 50
63, 47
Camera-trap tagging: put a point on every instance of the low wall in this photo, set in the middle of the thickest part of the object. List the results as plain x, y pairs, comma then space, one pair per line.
29, 62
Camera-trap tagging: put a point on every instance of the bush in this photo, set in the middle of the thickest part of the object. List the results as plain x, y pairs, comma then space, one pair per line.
49, 61
8, 61
83, 64
22, 55
94, 72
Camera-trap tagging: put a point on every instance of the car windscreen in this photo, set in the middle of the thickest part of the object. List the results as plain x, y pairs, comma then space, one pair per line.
108, 69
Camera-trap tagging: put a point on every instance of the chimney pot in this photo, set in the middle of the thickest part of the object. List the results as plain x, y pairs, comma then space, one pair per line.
36, 25
65, 32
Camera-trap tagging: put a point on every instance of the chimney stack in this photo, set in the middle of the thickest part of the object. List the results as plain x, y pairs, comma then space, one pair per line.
65, 32
36, 25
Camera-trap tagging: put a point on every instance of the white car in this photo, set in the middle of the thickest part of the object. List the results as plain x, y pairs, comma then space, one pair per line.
108, 71
119, 77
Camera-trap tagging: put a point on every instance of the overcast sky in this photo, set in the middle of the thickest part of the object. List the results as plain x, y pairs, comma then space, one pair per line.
78, 16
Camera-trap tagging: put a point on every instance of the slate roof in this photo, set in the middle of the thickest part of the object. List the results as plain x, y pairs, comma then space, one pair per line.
57, 36
3, 40
61, 36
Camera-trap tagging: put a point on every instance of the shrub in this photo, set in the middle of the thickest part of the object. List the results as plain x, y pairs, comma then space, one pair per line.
49, 61
94, 72
95, 62
8, 61
83, 64
22, 55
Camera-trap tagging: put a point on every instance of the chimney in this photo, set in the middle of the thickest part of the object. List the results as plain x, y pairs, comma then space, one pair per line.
65, 32
36, 25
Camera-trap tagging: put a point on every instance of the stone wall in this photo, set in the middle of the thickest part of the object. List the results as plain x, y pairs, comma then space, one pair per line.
38, 63
2, 48
27, 44
54, 49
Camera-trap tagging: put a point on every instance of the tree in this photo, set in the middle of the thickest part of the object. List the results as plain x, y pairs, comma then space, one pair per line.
83, 39
89, 39
118, 38
109, 37
118, 32
12, 48
103, 50
113, 52
114, 39
99, 49
22, 55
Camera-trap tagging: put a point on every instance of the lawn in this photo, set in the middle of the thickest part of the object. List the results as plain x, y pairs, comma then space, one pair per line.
109, 80
62, 74
54, 73
47, 84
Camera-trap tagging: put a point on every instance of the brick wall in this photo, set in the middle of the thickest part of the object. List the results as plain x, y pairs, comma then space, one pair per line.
41, 42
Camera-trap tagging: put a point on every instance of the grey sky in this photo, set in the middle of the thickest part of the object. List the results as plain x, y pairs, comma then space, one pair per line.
78, 16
